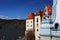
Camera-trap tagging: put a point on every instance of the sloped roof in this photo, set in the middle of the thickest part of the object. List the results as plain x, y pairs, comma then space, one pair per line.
38, 12
49, 9
31, 16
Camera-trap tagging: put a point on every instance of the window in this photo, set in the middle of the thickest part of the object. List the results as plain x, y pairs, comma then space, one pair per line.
31, 21
38, 36
56, 25
37, 19
37, 25
37, 30
31, 25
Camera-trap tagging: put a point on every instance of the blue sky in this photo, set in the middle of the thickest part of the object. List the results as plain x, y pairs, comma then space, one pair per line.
21, 8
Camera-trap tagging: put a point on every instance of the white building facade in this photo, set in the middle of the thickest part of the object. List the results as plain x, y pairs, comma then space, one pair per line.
36, 24
29, 24
37, 27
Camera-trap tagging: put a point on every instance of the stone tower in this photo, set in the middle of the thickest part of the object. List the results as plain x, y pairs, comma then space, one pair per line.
37, 25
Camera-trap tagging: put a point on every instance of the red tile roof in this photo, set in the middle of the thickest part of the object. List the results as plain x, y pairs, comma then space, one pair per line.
31, 16
49, 9
39, 12
44, 12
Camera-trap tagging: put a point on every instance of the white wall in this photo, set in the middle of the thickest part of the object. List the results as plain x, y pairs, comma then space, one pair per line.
37, 33
48, 38
29, 22
46, 33
58, 12
44, 38
47, 25
54, 38
56, 33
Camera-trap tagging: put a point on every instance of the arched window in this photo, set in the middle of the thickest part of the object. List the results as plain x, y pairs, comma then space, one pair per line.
56, 25
37, 19
31, 25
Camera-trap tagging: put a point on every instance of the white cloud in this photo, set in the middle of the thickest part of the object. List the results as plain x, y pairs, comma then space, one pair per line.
18, 17
6, 17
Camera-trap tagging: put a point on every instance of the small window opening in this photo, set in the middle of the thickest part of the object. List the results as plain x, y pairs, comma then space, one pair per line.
37, 30
37, 19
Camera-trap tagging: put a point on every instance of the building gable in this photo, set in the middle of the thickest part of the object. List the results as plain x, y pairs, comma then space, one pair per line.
31, 16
